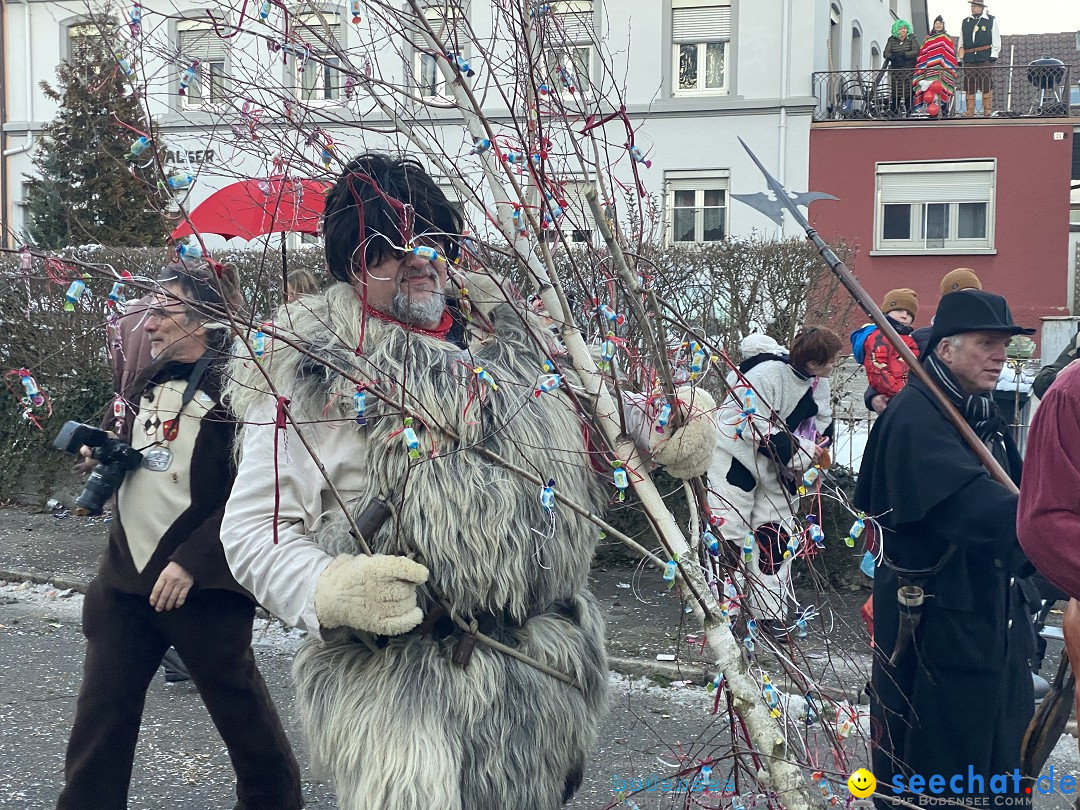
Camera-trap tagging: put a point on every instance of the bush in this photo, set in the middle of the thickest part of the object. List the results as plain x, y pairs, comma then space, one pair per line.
67, 354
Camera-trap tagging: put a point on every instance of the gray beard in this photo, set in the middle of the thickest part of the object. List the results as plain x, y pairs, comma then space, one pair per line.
417, 313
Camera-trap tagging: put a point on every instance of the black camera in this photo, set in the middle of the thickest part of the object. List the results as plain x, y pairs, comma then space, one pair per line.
114, 459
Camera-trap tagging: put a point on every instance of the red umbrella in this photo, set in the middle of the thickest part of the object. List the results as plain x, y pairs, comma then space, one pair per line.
252, 208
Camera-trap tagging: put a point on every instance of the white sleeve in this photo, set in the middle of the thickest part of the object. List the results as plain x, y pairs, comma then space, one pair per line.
636, 413
823, 398
995, 40
282, 577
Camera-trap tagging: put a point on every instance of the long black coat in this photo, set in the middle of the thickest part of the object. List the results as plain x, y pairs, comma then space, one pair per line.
962, 694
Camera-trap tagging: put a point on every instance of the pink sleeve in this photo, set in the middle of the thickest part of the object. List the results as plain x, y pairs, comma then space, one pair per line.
1048, 514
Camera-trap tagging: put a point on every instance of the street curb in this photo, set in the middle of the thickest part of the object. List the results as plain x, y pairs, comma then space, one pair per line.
697, 672
43, 579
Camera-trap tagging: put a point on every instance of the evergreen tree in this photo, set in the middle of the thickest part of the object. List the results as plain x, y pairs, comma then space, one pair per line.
88, 192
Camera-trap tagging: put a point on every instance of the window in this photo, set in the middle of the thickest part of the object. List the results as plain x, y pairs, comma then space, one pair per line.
935, 207
834, 38
199, 42
319, 78
450, 29
576, 223
567, 44
83, 40
875, 57
697, 208
856, 49
700, 33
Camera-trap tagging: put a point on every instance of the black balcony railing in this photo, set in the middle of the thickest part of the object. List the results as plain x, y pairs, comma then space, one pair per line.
1017, 91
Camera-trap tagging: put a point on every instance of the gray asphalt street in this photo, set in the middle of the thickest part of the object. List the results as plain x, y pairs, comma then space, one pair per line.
656, 726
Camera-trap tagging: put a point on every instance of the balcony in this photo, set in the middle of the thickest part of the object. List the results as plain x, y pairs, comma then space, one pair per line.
1019, 91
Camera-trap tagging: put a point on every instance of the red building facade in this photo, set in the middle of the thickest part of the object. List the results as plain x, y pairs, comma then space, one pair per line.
919, 198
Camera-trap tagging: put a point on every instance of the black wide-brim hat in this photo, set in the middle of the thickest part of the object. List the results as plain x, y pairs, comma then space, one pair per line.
973, 311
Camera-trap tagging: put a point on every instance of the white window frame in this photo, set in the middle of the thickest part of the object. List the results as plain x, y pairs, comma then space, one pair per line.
569, 42
920, 185
682, 34
76, 30
422, 58
219, 56
699, 182
322, 62
576, 223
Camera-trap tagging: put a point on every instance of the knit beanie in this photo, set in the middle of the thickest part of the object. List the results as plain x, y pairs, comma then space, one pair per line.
904, 298
962, 278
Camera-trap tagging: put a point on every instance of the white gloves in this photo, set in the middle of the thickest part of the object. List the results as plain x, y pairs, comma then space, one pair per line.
687, 451
376, 594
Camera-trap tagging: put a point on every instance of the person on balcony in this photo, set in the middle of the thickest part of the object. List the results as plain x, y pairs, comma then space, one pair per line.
901, 52
980, 43
935, 71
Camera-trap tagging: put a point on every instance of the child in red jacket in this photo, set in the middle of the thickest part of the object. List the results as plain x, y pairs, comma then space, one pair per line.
885, 370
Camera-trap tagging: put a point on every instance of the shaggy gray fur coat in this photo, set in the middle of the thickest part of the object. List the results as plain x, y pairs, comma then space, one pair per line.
404, 728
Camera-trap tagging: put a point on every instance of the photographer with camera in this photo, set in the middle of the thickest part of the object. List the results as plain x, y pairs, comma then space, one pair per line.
164, 579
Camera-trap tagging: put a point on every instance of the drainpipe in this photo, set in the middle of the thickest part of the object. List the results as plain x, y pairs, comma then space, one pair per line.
18, 150
785, 35
26, 147
3, 118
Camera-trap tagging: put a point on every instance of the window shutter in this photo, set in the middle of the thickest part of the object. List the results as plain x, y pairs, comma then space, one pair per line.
320, 32
701, 24
450, 26
937, 187
572, 21
202, 44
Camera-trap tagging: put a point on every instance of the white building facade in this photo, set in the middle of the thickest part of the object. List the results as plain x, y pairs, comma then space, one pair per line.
693, 76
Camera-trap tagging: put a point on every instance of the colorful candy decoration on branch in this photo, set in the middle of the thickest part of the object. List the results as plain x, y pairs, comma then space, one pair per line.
33, 400
140, 145
607, 352
118, 288
26, 259
135, 20
711, 543
180, 180
187, 77
772, 697
699, 360
555, 210
809, 478
191, 253
480, 145
547, 496
663, 415
547, 384
671, 568
354, 8
75, 292
125, 65
826, 789
814, 531
360, 405
856, 530
412, 441
459, 62
748, 548
638, 156
620, 479
613, 318
566, 78
485, 378
264, 11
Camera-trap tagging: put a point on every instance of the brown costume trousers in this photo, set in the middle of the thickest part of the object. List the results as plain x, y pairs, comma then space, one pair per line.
126, 640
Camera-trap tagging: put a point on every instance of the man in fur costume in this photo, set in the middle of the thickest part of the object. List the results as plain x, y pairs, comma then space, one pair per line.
772, 427
403, 709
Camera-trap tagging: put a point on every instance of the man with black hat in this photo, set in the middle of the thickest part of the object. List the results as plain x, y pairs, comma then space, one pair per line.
980, 43
951, 690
